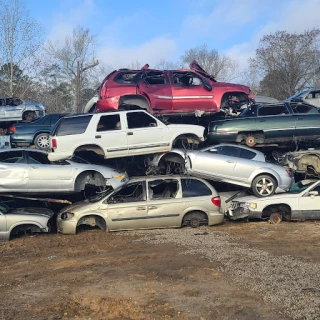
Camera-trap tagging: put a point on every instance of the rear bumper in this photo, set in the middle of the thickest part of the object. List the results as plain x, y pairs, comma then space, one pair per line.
107, 104
215, 218
56, 156
241, 213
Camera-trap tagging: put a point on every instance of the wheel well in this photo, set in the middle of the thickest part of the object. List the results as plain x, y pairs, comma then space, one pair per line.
259, 135
28, 112
88, 177
90, 147
307, 160
185, 139
173, 157
25, 228
282, 208
242, 97
93, 221
134, 100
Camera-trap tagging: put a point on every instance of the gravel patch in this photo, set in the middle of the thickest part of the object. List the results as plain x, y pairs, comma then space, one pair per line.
289, 283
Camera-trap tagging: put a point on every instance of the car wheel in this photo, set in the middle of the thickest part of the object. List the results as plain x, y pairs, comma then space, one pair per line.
264, 186
251, 141
195, 219
275, 218
42, 141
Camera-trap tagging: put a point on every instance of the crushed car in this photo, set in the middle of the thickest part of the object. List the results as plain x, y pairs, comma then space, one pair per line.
170, 92
269, 123
15, 109
147, 203
30, 171
310, 96
14, 221
303, 161
118, 134
301, 202
232, 164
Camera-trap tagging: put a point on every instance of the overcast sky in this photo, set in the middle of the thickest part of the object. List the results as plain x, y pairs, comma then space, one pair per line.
150, 30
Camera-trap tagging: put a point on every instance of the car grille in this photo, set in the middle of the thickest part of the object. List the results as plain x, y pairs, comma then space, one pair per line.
235, 204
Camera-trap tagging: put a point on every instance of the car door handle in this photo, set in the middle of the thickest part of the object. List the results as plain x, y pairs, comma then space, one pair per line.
141, 208
300, 118
98, 137
130, 133
152, 207
230, 161
262, 120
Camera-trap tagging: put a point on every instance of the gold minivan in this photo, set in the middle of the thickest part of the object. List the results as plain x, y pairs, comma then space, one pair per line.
146, 203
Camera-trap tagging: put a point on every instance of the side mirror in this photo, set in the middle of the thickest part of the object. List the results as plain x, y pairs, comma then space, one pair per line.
313, 193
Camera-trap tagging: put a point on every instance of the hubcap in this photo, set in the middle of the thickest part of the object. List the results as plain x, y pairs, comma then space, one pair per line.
265, 186
43, 142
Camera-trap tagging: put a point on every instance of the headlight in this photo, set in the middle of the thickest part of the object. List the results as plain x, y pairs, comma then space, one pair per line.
66, 215
248, 205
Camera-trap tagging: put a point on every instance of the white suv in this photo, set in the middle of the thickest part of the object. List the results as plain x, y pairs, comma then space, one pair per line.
118, 134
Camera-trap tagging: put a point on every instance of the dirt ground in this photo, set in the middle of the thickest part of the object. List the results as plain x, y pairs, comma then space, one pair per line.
95, 275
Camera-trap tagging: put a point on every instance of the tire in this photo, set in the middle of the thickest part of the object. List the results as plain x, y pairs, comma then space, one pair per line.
251, 141
275, 218
195, 219
41, 141
264, 186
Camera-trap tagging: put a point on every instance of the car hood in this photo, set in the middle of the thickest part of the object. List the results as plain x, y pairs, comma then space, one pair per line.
271, 199
81, 206
32, 211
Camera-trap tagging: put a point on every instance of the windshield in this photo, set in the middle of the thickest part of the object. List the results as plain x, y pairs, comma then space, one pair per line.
300, 186
298, 94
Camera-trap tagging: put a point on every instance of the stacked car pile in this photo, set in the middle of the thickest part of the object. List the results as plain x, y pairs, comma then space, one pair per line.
175, 162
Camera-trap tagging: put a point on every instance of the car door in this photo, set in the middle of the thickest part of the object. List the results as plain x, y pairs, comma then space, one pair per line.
309, 205
146, 134
164, 203
211, 165
14, 171
110, 133
156, 86
276, 122
189, 93
127, 207
47, 176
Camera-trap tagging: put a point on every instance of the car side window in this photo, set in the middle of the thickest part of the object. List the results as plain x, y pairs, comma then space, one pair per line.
304, 108
186, 79
155, 77
163, 189
72, 125
194, 188
247, 154
229, 151
11, 157
38, 158
109, 123
140, 120
133, 192
272, 110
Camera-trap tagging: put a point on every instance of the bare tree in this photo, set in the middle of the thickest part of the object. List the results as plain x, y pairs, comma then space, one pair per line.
167, 65
288, 61
223, 68
76, 56
20, 41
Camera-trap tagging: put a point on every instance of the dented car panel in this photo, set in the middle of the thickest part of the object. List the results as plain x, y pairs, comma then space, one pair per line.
23, 220
301, 202
170, 92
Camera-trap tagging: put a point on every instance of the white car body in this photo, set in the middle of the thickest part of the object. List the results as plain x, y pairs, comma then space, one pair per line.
295, 204
29, 171
122, 140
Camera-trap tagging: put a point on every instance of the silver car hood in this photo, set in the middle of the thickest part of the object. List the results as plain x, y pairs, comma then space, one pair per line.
32, 211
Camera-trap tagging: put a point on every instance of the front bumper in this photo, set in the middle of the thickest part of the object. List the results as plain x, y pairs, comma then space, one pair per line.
66, 226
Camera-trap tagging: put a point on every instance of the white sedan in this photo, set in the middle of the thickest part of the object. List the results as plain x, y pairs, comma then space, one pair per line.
29, 170
300, 202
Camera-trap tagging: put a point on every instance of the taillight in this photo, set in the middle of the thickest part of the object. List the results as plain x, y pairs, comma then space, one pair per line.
12, 129
216, 201
289, 172
54, 143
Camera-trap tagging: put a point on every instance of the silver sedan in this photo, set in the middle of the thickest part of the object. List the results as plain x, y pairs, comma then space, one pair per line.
238, 165
26, 220
29, 170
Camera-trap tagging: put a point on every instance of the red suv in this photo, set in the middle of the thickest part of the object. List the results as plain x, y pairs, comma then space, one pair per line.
170, 92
